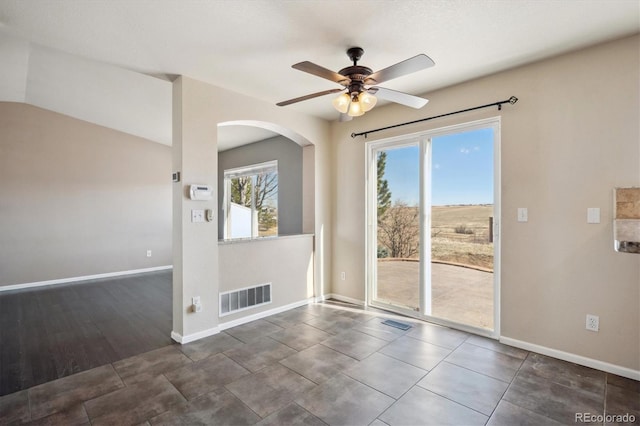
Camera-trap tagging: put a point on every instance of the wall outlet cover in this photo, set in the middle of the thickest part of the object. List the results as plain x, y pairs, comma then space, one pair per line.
593, 323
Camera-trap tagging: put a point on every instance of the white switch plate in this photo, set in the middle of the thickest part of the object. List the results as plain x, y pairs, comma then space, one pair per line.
197, 216
148, 253
593, 215
523, 214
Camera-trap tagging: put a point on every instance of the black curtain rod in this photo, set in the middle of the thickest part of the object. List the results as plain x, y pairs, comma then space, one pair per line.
512, 100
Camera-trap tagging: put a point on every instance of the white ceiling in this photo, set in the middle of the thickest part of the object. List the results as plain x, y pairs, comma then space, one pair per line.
249, 46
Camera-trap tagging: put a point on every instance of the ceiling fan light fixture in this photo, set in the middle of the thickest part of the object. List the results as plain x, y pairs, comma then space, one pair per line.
355, 109
367, 101
341, 103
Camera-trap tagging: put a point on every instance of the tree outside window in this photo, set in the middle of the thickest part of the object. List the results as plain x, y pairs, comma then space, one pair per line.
251, 195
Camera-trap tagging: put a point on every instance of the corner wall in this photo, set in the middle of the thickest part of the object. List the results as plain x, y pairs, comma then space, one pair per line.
78, 199
197, 109
572, 137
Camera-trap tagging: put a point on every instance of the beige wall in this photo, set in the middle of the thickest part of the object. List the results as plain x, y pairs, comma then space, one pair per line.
572, 137
78, 199
285, 262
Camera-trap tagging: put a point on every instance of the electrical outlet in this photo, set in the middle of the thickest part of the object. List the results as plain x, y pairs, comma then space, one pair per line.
593, 322
148, 253
343, 276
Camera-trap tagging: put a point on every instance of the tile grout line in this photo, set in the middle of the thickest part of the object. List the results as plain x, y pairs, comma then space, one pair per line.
382, 392
300, 374
509, 386
302, 408
243, 403
124, 385
445, 360
87, 413
606, 391
436, 344
422, 378
148, 420
29, 405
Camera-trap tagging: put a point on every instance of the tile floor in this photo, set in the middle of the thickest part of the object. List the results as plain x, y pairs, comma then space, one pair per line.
321, 364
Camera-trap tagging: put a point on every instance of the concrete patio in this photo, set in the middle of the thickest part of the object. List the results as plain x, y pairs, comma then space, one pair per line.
459, 294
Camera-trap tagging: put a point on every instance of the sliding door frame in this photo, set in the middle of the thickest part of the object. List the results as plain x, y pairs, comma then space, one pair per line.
423, 140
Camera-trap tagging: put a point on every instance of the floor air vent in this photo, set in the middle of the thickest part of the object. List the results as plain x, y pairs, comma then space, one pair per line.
397, 324
245, 298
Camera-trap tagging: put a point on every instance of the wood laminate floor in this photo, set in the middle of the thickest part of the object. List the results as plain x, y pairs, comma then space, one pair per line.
51, 332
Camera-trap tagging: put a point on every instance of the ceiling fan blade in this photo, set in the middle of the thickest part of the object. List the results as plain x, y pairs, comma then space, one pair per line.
398, 97
319, 71
310, 96
417, 63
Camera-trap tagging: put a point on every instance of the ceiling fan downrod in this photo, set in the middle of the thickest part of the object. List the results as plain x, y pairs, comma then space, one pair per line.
355, 53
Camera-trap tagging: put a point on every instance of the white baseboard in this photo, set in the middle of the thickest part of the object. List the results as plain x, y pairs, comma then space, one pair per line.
260, 315
83, 278
194, 336
576, 359
234, 323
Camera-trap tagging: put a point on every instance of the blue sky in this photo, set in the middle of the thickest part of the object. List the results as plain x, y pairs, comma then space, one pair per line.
462, 171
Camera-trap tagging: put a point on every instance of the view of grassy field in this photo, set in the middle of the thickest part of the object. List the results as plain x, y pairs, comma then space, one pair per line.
460, 234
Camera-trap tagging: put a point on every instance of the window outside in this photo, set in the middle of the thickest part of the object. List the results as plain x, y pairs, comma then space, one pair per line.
251, 201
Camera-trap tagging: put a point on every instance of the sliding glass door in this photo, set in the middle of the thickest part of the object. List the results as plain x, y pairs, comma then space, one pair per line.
432, 217
397, 230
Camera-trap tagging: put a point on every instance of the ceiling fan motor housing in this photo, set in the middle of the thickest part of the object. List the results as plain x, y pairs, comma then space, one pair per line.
357, 74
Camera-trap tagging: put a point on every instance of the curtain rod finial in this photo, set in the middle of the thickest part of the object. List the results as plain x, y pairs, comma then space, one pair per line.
513, 100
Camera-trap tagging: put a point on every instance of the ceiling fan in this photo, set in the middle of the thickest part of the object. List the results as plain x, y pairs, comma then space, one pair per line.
359, 84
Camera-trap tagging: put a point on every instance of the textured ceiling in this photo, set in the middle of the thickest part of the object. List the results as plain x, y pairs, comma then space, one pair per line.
249, 46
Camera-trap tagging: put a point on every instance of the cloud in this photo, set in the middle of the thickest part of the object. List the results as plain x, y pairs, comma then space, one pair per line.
436, 166
465, 150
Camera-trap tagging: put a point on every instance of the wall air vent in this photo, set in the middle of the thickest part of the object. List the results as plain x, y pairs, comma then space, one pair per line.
244, 298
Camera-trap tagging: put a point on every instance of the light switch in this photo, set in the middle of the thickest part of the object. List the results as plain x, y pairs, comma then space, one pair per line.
593, 215
197, 216
523, 214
